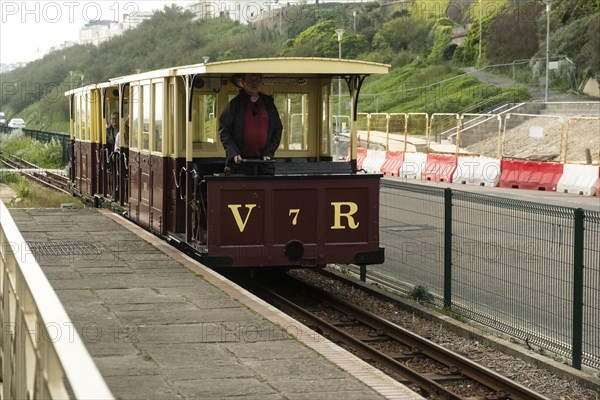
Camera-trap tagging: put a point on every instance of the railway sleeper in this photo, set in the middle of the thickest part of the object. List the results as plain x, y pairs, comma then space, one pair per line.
405, 356
373, 339
345, 324
435, 376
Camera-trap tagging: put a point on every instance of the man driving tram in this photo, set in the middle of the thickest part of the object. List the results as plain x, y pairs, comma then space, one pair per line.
250, 129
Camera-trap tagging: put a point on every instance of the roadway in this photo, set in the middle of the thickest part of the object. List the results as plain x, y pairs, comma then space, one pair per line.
512, 255
591, 203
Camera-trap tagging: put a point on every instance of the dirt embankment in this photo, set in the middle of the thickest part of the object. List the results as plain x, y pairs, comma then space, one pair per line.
545, 138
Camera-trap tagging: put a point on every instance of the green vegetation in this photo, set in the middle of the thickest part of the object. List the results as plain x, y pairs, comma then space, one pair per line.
442, 49
419, 39
45, 155
32, 195
421, 294
452, 314
441, 88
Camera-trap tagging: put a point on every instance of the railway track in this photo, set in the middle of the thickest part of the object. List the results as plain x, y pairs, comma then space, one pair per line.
36, 174
429, 369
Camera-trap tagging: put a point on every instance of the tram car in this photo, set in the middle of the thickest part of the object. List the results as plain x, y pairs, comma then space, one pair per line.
169, 175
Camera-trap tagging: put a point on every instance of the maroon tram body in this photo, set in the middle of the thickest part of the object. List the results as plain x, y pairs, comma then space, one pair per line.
294, 220
168, 175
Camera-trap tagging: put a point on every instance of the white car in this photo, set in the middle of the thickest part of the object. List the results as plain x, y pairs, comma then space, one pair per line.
16, 123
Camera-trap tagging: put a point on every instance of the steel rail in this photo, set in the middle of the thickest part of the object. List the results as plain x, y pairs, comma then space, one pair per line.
428, 386
504, 387
51, 182
467, 367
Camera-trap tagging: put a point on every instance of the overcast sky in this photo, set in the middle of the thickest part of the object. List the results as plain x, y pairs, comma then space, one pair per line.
28, 29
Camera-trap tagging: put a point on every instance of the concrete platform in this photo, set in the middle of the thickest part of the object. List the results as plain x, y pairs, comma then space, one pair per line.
6, 193
161, 326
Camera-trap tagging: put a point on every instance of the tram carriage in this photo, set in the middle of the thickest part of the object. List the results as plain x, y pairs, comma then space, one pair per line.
172, 179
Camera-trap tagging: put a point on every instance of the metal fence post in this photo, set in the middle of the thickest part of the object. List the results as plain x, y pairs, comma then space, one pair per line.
64, 142
447, 248
578, 287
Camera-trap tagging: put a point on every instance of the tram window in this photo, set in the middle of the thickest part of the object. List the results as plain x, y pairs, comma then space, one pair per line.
176, 120
111, 106
88, 132
77, 101
145, 117
326, 122
293, 110
134, 130
204, 122
126, 105
171, 120
84, 117
158, 116
181, 120
75, 116
126, 111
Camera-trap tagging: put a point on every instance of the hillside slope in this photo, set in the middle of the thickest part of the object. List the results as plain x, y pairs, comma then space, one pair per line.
541, 138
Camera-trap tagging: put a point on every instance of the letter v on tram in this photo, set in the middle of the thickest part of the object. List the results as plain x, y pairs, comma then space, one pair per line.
169, 174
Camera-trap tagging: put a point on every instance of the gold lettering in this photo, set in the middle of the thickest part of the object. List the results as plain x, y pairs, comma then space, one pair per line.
235, 210
294, 211
338, 214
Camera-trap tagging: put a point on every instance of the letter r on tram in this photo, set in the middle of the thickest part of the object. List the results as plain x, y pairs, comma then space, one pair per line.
351, 209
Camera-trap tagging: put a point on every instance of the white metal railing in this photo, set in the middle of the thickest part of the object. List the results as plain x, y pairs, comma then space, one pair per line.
42, 355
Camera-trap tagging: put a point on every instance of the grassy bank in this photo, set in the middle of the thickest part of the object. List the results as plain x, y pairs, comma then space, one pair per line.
32, 195
44, 155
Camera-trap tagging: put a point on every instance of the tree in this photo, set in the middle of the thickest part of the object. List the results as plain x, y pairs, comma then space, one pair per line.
512, 35
320, 40
404, 34
442, 48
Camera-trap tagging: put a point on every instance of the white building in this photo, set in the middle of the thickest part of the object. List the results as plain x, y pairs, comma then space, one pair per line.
243, 11
252, 11
96, 32
9, 67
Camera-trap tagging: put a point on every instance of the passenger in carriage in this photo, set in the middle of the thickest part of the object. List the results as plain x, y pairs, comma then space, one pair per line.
111, 133
125, 138
112, 130
250, 128
122, 150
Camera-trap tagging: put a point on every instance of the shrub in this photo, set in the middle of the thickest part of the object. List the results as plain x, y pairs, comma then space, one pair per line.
9, 178
421, 294
45, 155
23, 188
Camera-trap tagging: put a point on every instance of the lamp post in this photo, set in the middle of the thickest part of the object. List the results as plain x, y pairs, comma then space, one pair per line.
548, 4
354, 19
480, 18
340, 33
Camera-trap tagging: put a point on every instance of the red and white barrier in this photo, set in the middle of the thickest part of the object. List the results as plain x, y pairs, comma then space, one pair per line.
530, 175
484, 171
413, 165
579, 179
361, 156
439, 167
393, 162
479, 171
374, 161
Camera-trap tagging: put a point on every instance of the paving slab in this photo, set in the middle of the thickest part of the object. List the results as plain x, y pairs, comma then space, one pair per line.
159, 325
